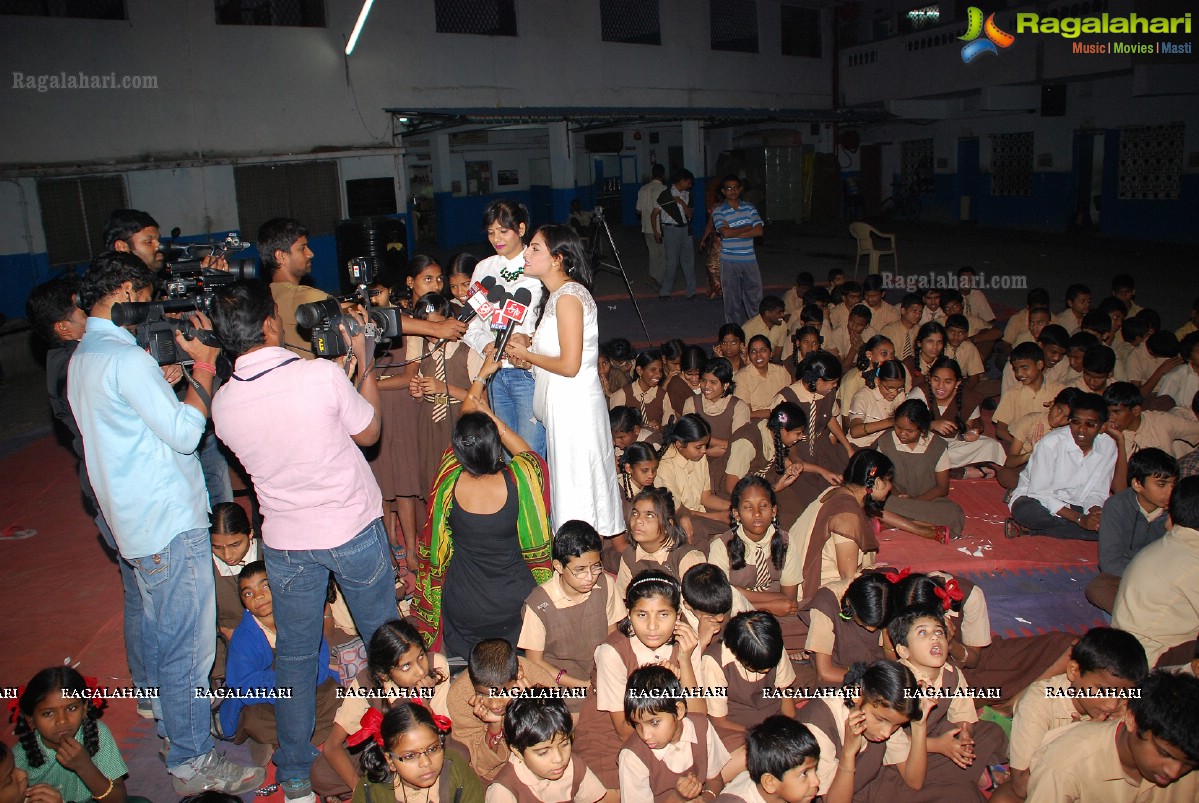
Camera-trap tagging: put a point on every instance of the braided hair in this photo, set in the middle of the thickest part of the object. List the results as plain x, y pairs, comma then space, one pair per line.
60, 680
864, 363
786, 416
778, 542
864, 469
817, 366
637, 452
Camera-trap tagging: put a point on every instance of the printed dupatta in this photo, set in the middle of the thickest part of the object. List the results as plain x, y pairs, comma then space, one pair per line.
435, 547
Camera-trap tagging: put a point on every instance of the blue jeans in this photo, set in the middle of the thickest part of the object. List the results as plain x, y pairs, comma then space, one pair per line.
511, 395
680, 253
742, 282
299, 579
216, 468
179, 605
134, 612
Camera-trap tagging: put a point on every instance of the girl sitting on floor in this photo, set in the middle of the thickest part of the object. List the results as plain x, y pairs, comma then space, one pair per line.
846, 630
406, 759
683, 469
956, 418
658, 540
63, 746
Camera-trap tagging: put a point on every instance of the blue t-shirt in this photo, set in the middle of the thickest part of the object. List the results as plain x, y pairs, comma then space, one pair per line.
736, 249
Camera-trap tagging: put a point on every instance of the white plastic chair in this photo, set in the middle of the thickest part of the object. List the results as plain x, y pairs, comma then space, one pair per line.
864, 234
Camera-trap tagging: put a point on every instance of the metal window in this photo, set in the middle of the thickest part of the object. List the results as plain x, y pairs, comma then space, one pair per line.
310, 192
295, 13
800, 28
80, 9
482, 17
734, 25
634, 22
74, 213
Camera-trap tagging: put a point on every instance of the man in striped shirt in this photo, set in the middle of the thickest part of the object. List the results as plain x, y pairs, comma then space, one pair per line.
737, 223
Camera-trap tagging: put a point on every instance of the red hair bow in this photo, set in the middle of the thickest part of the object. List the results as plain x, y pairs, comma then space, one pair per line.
443, 724
950, 594
371, 722
14, 705
95, 690
894, 576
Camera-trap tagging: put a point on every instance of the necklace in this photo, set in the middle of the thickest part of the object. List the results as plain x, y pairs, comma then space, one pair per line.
512, 274
403, 787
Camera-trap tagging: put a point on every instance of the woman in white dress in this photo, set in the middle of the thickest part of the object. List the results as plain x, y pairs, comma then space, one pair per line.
568, 398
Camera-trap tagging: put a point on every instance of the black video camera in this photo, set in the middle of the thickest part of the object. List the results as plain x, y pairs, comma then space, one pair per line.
324, 318
185, 276
156, 333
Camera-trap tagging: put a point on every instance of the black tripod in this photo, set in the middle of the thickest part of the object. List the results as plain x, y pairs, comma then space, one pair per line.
598, 224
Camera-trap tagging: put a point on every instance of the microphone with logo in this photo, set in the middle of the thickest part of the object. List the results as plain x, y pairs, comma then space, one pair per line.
505, 321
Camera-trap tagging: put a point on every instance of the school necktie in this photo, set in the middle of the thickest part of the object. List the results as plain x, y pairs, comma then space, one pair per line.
812, 427
907, 346
762, 577
440, 408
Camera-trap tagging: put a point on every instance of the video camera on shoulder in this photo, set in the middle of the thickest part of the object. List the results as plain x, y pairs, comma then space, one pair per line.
188, 286
325, 317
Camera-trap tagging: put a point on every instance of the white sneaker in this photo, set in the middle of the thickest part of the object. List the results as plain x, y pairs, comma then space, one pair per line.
214, 772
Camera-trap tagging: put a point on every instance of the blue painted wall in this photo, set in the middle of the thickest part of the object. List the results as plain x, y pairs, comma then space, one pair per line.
1171, 221
19, 274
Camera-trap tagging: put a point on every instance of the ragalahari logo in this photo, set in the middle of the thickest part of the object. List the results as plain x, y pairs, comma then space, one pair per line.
995, 38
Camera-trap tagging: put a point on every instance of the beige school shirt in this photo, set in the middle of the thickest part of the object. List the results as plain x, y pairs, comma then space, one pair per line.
1016, 325
1158, 600
1068, 320
792, 571
1080, 763
881, 315
777, 335
839, 344
757, 390
634, 775
1174, 433
1140, 364
611, 677
1022, 400
532, 631
1036, 714
901, 337
349, 714
968, 358
687, 480
713, 677
898, 746
961, 709
590, 790
869, 405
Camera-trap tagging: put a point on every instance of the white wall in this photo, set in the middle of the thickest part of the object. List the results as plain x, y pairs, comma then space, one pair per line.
249, 90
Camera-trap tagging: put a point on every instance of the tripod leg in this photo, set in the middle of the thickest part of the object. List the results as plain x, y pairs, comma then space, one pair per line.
625, 276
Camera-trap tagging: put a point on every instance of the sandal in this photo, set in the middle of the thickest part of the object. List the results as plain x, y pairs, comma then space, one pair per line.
15, 532
942, 534
1012, 529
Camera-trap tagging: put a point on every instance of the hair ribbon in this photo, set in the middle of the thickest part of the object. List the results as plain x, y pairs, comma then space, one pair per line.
371, 722
894, 576
443, 724
950, 594
14, 705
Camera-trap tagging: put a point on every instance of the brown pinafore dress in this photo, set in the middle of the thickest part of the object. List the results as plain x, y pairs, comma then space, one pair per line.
721, 425
851, 642
507, 779
869, 764
572, 634
650, 408
794, 630
915, 474
819, 447
395, 464
678, 391
671, 566
596, 741
433, 436
944, 780
747, 700
662, 779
